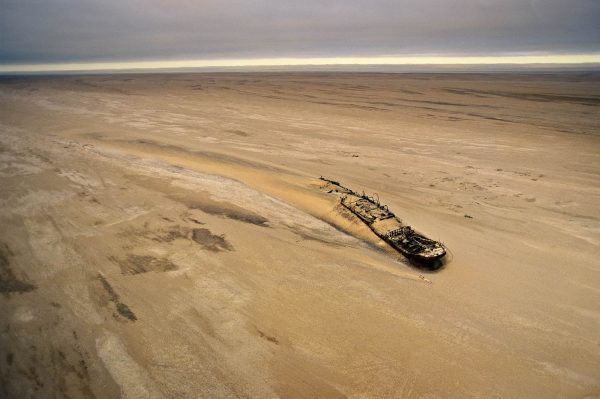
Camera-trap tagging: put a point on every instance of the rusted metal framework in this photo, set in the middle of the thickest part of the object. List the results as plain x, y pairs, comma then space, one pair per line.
387, 226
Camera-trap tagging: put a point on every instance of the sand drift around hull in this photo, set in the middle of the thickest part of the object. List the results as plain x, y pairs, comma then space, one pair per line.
387, 226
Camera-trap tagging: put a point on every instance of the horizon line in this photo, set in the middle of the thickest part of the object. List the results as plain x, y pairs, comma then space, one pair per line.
548, 59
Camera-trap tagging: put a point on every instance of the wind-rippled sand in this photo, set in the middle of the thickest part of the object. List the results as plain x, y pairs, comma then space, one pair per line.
165, 236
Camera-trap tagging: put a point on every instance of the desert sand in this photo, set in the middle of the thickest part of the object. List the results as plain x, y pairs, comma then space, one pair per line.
165, 236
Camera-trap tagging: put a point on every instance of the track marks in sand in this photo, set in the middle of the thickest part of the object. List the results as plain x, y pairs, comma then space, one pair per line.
211, 242
73, 369
121, 308
9, 283
269, 338
58, 370
138, 264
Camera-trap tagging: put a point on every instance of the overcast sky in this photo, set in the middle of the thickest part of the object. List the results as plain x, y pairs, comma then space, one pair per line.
43, 31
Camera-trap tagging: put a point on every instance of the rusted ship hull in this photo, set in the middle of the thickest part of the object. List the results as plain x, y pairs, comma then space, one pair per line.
387, 226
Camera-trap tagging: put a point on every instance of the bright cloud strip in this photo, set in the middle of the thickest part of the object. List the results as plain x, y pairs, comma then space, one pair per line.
263, 62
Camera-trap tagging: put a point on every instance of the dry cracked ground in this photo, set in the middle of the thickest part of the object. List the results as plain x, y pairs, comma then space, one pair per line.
165, 236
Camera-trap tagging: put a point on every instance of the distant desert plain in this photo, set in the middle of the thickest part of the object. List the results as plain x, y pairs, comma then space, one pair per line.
166, 236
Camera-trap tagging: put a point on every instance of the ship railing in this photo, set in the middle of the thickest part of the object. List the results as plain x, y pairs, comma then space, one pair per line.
394, 232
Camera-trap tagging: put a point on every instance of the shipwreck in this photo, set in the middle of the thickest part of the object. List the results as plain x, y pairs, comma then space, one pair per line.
387, 226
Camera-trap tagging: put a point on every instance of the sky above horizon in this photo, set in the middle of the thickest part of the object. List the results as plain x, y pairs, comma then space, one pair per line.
83, 31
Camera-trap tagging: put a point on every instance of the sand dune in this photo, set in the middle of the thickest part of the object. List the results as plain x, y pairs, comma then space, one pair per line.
165, 236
